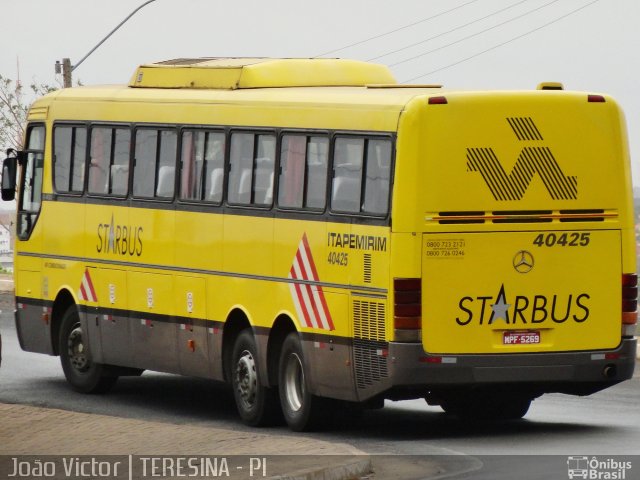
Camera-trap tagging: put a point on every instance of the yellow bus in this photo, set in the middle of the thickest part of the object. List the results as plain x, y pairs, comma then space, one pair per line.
317, 235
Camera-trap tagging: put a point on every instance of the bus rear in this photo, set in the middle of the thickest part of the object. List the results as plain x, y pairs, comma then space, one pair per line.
526, 279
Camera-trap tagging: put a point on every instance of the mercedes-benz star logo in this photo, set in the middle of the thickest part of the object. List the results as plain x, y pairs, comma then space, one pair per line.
523, 261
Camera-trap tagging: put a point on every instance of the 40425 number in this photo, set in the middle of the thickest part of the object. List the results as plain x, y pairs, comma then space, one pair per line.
338, 258
573, 239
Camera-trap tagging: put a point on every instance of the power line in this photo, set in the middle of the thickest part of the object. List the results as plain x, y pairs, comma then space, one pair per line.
474, 34
395, 30
447, 32
503, 43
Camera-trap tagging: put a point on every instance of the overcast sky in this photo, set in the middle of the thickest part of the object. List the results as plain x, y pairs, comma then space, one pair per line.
487, 44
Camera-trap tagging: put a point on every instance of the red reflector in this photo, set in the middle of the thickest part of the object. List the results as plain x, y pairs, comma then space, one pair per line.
612, 356
596, 99
430, 359
438, 100
407, 323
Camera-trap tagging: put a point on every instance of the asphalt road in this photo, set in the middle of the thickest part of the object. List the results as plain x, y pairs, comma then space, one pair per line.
604, 424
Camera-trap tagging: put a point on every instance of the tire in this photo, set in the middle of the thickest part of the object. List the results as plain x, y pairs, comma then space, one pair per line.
301, 409
488, 406
82, 373
257, 405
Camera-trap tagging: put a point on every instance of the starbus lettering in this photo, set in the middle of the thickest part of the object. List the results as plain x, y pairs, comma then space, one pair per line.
119, 239
523, 309
357, 242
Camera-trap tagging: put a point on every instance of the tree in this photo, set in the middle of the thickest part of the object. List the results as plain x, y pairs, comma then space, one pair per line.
14, 109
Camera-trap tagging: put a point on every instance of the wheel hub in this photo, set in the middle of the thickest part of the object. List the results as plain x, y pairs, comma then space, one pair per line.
247, 378
77, 352
294, 382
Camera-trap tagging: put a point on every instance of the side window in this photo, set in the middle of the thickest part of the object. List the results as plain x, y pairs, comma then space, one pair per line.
69, 153
361, 175
155, 158
378, 178
303, 172
202, 165
120, 162
252, 160
109, 161
348, 155
30, 198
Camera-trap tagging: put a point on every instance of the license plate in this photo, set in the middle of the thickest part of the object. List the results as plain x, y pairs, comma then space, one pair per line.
521, 338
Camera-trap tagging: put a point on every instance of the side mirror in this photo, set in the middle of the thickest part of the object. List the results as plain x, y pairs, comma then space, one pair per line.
9, 170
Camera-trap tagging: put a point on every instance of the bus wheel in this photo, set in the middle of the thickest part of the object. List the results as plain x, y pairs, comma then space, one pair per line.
81, 372
256, 404
301, 409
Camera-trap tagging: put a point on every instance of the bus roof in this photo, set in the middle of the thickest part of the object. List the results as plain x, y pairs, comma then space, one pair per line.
341, 94
238, 73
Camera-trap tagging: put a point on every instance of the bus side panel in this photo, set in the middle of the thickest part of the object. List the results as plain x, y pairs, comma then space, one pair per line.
153, 334
34, 333
329, 359
190, 310
114, 322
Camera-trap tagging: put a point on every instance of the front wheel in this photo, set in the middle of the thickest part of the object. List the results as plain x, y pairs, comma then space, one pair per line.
301, 409
82, 373
257, 405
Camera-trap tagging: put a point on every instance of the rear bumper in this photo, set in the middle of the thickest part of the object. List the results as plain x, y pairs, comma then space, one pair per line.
572, 372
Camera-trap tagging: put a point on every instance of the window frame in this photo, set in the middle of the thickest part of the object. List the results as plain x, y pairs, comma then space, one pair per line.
33, 215
308, 134
207, 130
276, 160
74, 125
158, 128
111, 126
367, 137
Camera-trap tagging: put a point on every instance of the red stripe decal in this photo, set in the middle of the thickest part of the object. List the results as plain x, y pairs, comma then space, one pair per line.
94, 297
314, 272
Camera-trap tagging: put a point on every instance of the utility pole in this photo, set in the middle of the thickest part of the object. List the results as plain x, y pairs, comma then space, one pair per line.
66, 68
66, 72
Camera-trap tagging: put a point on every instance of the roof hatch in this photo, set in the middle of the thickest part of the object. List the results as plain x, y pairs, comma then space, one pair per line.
235, 73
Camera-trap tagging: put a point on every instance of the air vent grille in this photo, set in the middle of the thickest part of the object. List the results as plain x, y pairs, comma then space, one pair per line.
367, 268
521, 216
370, 360
369, 346
368, 320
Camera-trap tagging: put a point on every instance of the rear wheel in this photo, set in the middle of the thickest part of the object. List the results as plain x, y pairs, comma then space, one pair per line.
257, 405
82, 373
301, 409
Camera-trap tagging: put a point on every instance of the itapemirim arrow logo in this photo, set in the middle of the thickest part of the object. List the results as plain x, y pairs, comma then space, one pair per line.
531, 161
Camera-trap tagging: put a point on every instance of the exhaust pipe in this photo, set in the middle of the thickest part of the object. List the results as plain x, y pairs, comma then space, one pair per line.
609, 371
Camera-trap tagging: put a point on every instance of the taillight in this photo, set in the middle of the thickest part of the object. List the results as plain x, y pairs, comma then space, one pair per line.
407, 309
629, 298
596, 99
438, 100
